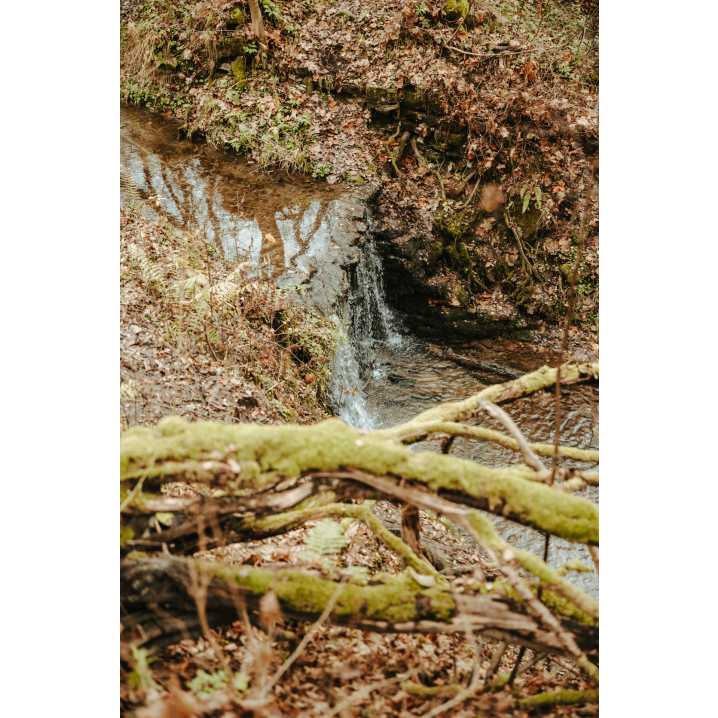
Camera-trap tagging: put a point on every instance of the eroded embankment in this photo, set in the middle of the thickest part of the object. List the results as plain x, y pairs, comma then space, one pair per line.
480, 125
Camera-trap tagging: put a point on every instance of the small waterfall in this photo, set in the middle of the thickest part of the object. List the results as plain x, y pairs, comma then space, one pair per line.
370, 324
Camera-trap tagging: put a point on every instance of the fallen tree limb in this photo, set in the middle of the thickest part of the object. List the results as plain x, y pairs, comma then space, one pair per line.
542, 378
483, 530
468, 431
158, 608
266, 456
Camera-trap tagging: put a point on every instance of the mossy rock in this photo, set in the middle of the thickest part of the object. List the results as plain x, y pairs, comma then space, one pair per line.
230, 47
444, 137
411, 119
327, 83
237, 18
239, 68
356, 180
383, 99
456, 9
414, 98
528, 222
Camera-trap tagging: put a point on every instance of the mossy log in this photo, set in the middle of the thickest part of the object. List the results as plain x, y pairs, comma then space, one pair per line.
249, 457
159, 607
241, 459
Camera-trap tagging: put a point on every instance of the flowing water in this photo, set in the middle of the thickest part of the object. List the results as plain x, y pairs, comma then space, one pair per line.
382, 376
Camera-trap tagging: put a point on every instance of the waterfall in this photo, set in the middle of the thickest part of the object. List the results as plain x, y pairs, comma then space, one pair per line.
368, 325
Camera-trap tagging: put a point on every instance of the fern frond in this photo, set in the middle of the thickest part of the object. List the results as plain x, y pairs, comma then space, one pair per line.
149, 270
326, 540
127, 184
191, 284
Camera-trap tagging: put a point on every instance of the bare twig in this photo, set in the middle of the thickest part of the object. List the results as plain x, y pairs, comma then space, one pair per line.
496, 659
519, 243
567, 325
471, 196
594, 555
396, 169
498, 413
514, 670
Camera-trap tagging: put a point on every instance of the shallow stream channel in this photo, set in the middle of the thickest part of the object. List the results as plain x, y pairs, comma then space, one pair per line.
322, 244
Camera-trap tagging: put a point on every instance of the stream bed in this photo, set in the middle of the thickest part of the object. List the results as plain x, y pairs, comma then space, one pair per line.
319, 236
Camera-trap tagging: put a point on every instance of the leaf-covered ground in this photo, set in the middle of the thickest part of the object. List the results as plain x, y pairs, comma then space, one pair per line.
202, 339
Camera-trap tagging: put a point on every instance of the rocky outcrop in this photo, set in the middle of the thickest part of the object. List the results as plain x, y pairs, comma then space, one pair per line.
322, 273
427, 309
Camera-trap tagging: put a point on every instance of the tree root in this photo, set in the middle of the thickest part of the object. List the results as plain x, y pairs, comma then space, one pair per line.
420, 159
519, 243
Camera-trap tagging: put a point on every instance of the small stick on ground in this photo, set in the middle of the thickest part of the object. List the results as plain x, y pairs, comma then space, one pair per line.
514, 670
520, 245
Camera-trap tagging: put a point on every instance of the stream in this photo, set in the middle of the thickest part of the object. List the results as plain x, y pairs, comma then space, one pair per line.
382, 375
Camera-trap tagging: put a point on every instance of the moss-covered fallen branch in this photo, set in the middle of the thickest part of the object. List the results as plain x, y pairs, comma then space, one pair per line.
158, 606
559, 698
542, 378
479, 432
240, 457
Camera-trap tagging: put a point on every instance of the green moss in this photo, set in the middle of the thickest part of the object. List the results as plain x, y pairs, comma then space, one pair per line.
456, 9
384, 99
236, 18
356, 180
126, 534
394, 599
559, 698
560, 605
289, 451
239, 67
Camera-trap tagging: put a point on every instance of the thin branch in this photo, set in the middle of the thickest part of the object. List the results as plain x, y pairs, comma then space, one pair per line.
471, 196
567, 325
396, 169
514, 670
498, 413
480, 433
520, 245
496, 659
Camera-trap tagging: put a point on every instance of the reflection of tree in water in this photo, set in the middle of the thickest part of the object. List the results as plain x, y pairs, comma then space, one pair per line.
194, 196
